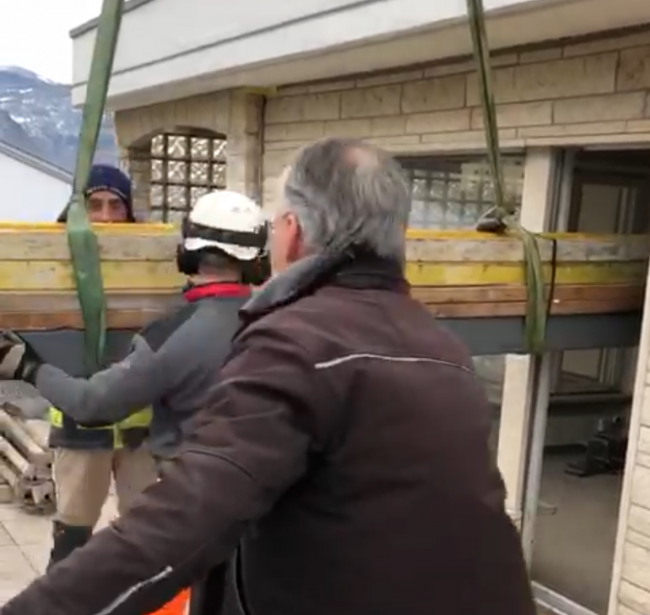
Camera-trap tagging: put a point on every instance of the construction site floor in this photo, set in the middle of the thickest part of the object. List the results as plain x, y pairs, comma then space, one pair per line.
25, 542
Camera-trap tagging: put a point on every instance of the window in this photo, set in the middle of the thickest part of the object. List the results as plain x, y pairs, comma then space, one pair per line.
183, 168
453, 193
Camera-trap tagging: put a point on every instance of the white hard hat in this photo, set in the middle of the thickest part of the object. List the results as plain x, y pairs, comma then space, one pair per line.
225, 211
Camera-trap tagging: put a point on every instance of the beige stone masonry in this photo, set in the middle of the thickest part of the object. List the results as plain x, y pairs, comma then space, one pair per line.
633, 598
244, 149
138, 166
557, 79
631, 573
588, 92
208, 112
237, 115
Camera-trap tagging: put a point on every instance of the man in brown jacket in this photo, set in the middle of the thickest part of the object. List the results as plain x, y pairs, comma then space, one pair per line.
345, 449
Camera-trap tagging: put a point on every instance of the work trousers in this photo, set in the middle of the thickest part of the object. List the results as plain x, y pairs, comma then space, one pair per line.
82, 480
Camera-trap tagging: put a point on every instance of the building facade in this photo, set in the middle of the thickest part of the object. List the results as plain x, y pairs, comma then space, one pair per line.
572, 87
32, 190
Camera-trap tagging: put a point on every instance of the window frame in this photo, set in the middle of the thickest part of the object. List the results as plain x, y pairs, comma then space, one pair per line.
448, 166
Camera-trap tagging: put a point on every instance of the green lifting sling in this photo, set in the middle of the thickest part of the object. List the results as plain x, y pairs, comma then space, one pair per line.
84, 249
502, 218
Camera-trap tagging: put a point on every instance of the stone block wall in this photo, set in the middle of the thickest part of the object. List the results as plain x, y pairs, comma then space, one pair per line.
236, 114
632, 566
580, 93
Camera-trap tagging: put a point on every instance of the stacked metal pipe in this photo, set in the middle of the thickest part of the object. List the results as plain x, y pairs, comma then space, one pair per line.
25, 458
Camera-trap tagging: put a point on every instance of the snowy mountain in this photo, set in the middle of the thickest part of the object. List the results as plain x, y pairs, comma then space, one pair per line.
36, 115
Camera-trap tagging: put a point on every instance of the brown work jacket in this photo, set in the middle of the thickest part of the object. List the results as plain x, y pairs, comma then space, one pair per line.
345, 450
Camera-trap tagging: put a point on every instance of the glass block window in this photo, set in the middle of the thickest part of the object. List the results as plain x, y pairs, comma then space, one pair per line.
183, 168
453, 193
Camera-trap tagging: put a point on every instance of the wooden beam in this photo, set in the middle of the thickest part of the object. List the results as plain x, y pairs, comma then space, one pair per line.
147, 276
457, 274
518, 308
478, 274
488, 248
46, 321
157, 242
136, 275
40, 312
27, 311
443, 295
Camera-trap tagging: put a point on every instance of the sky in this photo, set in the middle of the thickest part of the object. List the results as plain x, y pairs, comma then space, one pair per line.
34, 34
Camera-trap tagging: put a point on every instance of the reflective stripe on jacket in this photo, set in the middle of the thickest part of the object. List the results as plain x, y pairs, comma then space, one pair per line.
131, 432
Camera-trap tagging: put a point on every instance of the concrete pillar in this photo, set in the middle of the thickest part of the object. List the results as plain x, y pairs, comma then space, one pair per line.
134, 154
537, 210
140, 173
630, 589
245, 147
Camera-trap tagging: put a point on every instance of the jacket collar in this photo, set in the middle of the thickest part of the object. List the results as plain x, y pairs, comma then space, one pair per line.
351, 269
196, 292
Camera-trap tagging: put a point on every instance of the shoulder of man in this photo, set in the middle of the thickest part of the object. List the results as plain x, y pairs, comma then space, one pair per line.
201, 331
158, 331
300, 323
294, 338
273, 362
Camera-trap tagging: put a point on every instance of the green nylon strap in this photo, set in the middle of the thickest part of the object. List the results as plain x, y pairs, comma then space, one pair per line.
84, 248
503, 217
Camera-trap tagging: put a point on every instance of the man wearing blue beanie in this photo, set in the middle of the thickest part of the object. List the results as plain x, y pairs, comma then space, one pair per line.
86, 459
108, 196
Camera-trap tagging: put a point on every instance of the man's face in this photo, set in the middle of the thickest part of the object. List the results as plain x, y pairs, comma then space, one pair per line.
104, 206
286, 239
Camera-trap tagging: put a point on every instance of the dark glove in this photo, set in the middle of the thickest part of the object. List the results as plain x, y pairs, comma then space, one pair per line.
18, 360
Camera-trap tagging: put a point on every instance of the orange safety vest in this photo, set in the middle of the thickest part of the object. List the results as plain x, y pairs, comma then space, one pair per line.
176, 606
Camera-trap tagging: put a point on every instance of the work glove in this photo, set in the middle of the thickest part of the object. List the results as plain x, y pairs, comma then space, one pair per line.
18, 360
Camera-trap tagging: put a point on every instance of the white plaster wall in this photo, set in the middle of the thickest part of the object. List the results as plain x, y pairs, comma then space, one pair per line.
168, 49
294, 26
29, 195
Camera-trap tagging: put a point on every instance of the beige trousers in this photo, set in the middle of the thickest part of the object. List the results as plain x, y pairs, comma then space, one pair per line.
82, 481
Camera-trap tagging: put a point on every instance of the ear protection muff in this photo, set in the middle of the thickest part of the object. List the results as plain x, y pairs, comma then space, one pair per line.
257, 271
187, 262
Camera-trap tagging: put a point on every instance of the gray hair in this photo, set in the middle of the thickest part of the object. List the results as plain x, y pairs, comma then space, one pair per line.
346, 192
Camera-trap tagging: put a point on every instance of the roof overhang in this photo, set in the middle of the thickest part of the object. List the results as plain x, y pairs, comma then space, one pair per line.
168, 49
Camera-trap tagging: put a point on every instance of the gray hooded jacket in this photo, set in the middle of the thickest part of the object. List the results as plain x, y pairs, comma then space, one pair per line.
173, 363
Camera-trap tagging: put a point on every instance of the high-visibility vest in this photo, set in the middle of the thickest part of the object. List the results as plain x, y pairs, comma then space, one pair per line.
66, 433
178, 605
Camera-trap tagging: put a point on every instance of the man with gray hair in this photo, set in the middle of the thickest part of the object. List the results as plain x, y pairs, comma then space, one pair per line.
344, 453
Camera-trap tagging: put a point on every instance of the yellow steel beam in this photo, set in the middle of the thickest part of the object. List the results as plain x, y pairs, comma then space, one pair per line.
170, 229
47, 276
494, 274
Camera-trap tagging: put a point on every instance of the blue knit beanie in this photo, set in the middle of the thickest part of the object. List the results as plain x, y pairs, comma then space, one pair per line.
111, 179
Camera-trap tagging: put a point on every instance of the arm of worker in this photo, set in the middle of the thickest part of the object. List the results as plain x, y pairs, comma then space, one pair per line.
250, 446
105, 398
108, 396
145, 376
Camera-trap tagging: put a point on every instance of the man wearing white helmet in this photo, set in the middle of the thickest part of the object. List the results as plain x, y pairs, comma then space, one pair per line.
174, 359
